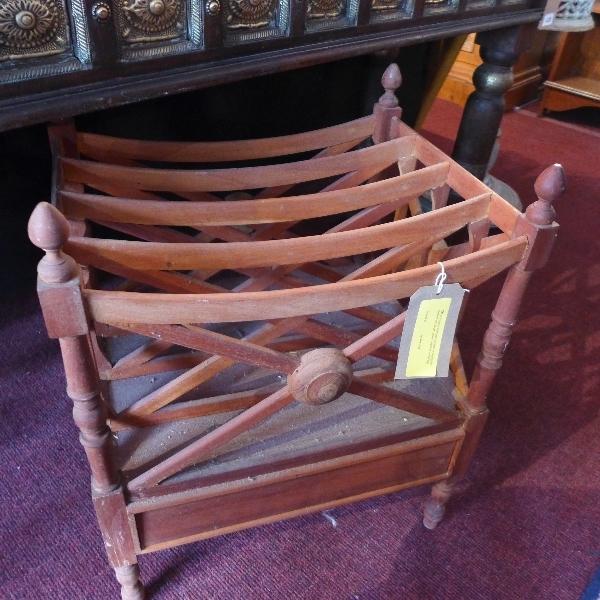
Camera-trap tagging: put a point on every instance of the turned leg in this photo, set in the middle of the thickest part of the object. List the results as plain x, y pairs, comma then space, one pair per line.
435, 505
483, 112
131, 586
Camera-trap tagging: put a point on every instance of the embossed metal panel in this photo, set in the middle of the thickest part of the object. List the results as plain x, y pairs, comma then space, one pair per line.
433, 7
253, 20
330, 14
151, 20
389, 10
33, 28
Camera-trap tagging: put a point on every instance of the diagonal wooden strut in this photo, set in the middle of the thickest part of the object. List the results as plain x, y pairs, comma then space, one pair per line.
204, 340
265, 408
202, 447
234, 401
204, 371
391, 397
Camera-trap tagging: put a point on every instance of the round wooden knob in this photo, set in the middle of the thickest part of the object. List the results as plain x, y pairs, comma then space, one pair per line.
323, 375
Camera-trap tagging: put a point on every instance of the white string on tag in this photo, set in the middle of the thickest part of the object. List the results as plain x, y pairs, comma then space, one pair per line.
440, 279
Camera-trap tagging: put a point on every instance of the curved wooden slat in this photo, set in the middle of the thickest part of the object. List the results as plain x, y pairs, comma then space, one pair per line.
243, 212
243, 178
208, 368
90, 144
131, 307
241, 255
502, 214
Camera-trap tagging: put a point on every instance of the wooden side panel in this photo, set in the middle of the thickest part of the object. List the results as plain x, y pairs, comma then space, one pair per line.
253, 505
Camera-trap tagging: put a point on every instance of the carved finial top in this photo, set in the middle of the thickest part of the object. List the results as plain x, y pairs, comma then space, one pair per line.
549, 185
49, 230
391, 81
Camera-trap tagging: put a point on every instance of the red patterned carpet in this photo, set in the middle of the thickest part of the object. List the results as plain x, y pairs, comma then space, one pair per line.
527, 525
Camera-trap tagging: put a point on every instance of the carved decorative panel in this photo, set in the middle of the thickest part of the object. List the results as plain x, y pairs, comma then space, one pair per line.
325, 9
32, 28
252, 20
328, 14
388, 10
250, 14
479, 4
433, 7
151, 20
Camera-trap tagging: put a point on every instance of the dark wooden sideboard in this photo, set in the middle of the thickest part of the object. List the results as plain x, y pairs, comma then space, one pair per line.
59, 58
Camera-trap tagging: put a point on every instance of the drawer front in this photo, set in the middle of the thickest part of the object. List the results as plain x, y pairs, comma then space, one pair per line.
244, 507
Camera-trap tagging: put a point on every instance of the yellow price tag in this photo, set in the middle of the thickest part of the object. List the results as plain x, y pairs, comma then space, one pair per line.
427, 337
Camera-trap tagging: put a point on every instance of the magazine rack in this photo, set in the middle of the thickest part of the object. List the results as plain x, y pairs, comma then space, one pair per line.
229, 333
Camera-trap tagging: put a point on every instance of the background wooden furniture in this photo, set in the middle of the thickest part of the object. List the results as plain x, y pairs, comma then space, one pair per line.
574, 79
529, 72
308, 332
59, 59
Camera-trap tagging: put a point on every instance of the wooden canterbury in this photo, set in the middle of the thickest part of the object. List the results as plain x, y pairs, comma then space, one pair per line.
236, 328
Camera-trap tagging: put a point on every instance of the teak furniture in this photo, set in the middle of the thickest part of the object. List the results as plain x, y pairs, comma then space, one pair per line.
574, 79
229, 333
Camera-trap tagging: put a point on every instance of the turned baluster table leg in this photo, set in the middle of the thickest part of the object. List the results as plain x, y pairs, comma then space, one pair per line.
435, 506
483, 112
129, 578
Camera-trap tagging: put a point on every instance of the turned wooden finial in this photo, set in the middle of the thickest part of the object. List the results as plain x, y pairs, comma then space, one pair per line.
391, 81
549, 185
49, 230
324, 374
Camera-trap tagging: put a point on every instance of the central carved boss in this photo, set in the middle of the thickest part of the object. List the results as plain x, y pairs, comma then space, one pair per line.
323, 375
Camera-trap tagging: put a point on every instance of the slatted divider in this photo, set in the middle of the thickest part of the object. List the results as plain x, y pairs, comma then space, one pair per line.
102, 146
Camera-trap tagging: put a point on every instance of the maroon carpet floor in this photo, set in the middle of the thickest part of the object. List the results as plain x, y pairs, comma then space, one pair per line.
527, 525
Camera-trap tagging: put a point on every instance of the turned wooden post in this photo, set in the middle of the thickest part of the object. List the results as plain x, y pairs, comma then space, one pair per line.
59, 290
387, 106
538, 225
483, 111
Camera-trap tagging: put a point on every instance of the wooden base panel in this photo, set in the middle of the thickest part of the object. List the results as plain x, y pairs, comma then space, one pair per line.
241, 504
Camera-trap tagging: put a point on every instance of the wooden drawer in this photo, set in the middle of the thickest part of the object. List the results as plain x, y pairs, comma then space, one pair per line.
177, 519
